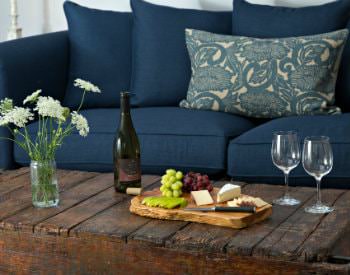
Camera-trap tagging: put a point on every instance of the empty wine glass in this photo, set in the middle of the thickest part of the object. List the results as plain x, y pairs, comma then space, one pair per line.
285, 154
318, 162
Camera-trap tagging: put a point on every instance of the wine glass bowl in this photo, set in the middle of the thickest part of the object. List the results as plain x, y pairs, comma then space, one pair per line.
285, 153
317, 161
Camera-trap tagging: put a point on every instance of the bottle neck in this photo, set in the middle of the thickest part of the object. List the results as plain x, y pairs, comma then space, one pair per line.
124, 105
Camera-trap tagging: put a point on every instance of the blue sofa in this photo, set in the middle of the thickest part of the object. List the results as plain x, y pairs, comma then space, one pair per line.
204, 141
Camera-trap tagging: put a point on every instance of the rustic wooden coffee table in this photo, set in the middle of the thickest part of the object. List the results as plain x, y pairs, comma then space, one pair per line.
92, 232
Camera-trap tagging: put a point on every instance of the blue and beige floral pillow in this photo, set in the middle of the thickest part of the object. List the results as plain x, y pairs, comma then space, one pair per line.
264, 78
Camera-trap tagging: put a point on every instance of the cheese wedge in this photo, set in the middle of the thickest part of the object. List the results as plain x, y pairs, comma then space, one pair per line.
202, 197
228, 192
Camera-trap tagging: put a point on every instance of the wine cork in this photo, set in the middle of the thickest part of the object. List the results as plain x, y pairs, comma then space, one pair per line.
133, 191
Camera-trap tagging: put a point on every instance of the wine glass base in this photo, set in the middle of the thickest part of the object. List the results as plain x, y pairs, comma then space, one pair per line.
286, 200
319, 209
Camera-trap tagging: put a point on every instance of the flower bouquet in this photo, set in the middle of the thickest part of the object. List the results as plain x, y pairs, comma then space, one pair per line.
55, 123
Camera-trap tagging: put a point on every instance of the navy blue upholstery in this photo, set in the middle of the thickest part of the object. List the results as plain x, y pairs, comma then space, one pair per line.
100, 52
249, 156
169, 136
28, 64
247, 19
342, 95
161, 68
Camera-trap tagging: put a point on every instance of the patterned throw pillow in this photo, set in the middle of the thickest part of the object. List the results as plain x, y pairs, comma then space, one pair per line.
264, 78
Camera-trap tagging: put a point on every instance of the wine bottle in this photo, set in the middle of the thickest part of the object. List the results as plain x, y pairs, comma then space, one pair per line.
126, 151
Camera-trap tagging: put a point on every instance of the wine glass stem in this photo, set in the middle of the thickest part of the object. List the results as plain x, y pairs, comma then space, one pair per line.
286, 190
318, 184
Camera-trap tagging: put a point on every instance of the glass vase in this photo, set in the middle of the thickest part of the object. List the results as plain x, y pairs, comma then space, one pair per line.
45, 191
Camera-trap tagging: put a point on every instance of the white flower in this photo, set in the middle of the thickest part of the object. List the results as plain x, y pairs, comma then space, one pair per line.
86, 85
6, 105
33, 97
49, 107
81, 123
18, 116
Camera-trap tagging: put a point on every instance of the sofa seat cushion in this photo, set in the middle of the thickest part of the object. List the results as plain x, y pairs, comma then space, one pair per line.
169, 137
249, 155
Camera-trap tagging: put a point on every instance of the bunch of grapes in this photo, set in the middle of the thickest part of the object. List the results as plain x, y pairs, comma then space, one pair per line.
171, 183
195, 182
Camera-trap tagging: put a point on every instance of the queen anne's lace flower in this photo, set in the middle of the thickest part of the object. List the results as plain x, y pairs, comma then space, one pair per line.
18, 116
33, 97
80, 123
49, 107
6, 105
86, 85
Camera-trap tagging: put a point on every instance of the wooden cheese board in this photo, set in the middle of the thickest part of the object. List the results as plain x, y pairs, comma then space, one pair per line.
226, 219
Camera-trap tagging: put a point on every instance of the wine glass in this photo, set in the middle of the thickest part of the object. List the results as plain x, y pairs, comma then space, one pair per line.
318, 162
285, 154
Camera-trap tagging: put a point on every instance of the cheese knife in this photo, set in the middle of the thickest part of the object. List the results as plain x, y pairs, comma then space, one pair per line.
243, 209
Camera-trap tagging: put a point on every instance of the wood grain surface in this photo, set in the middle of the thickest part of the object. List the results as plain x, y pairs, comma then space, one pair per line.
231, 220
93, 232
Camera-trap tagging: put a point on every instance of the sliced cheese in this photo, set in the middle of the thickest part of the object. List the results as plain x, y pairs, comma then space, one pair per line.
202, 197
257, 201
228, 192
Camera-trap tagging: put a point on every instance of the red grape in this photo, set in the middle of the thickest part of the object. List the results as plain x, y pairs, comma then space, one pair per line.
196, 181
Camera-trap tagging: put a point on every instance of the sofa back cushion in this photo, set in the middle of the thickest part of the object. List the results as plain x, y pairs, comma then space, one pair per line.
161, 67
262, 21
100, 52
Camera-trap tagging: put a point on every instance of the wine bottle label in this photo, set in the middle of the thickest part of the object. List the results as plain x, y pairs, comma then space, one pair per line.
129, 170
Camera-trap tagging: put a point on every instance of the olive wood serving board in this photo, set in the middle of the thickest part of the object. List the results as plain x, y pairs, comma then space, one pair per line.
226, 219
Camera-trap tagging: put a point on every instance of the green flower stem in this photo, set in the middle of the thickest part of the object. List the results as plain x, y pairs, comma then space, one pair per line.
18, 143
43, 147
44, 187
81, 102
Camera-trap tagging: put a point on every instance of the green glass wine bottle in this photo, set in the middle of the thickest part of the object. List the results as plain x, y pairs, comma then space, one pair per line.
126, 151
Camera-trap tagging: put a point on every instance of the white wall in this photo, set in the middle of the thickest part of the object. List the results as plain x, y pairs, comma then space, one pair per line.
40, 16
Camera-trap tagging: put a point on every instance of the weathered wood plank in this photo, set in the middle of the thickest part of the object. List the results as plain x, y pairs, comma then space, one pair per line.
10, 174
202, 237
156, 232
29, 217
104, 237
21, 198
64, 221
318, 246
284, 241
79, 256
15, 181
149, 180
10, 184
341, 249
208, 238
116, 222
245, 241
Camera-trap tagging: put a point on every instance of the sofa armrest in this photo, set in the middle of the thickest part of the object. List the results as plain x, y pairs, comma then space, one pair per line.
28, 64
